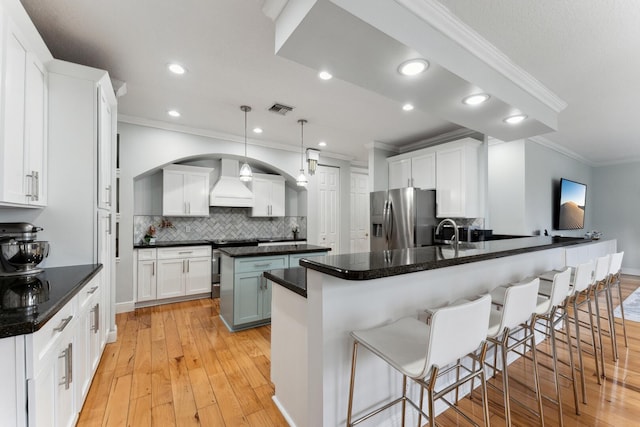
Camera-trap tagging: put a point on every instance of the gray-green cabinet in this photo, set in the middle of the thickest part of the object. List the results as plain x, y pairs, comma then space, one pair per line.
245, 295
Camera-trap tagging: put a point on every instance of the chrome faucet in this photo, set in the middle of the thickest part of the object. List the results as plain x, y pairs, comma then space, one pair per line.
456, 237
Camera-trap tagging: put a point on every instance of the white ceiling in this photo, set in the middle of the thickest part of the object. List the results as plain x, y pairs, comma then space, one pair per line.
584, 51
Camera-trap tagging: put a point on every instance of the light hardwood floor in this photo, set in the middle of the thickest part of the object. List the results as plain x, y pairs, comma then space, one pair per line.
177, 364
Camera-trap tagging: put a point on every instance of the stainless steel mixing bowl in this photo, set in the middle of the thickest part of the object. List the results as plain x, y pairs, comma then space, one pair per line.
23, 256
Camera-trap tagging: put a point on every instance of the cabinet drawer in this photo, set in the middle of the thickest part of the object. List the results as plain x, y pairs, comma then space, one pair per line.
146, 254
89, 290
40, 342
184, 252
246, 265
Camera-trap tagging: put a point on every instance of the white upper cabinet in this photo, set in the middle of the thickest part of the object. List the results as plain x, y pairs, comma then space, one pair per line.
185, 191
458, 184
269, 195
106, 144
23, 146
413, 171
399, 173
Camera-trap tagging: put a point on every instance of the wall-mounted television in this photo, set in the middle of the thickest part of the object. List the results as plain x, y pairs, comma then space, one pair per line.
572, 199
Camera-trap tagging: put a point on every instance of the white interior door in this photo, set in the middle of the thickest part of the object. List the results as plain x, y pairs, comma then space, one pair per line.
329, 194
359, 213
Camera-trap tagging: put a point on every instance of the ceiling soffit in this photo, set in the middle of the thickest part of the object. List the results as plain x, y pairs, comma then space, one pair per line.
364, 45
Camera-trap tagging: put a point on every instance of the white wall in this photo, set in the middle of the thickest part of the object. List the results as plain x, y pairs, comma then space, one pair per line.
543, 169
616, 203
143, 150
506, 187
523, 178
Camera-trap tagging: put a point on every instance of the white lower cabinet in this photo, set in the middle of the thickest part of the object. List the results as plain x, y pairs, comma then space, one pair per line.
62, 357
172, 272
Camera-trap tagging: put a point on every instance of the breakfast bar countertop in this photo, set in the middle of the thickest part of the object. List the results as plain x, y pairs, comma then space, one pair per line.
375, 265
294, 279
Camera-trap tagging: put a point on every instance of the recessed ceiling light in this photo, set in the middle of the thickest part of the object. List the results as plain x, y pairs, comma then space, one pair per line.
322, 144
257, 130
407, 107
325, 75
512, 120
476, 99
413, 67
176, 68
173, 113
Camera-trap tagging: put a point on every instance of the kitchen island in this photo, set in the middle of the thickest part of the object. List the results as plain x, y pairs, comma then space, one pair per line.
310, 342
245, 295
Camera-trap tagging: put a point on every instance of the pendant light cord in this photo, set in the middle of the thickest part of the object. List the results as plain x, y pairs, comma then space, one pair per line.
245, 135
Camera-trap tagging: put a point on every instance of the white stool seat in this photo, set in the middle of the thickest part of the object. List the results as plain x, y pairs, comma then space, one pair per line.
420, 350
402, 344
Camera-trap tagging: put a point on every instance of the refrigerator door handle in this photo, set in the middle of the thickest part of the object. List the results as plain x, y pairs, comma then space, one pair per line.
388, 220
385, 213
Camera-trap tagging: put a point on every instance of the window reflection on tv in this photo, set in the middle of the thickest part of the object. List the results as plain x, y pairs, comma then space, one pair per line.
573, 197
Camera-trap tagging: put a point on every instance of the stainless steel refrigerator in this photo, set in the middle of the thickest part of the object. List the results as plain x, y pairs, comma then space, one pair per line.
402, 218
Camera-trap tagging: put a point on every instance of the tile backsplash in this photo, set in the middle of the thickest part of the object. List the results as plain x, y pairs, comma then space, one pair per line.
222, 223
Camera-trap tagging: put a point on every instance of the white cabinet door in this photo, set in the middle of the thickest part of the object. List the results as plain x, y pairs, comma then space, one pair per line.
105, 144
196, 194
185, 191
400, 173
170, 281
173, 202
146, 280
269, 195
13, 100
65, 405
451, 179
23, 142
36, 131
277, 198
423, 171
457, 183
198, 276
261, 196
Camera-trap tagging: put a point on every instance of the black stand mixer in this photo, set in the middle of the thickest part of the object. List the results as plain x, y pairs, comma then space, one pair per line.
20, 251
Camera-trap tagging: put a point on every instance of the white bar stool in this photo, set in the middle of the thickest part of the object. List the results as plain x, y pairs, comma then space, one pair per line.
583, 279
513, 307
615, 267
600, 282
421, 350
550, 309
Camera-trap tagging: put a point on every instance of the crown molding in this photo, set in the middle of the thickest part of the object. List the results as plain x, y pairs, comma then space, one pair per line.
441, 18
157, 124
560, 149
440, 139
381, 146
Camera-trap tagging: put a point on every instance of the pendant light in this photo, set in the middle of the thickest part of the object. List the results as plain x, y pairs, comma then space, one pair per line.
245, 169
301, 180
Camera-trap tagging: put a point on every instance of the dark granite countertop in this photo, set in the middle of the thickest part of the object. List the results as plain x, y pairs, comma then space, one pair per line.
247, 251
294, 279
179, 243
63, 284
173, 244
374, 265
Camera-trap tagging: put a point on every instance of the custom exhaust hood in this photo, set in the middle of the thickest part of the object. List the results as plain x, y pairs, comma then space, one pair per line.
229, 191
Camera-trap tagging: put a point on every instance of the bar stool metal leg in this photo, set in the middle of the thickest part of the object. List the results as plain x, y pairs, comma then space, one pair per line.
352, 382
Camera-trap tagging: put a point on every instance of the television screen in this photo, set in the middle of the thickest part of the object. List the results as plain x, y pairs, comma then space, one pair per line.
573, 197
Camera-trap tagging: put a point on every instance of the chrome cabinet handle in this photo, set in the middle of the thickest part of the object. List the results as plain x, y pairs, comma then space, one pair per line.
153, 268
185, 252
35, 184
109, 230
63, 324
95, 327
264, 264
108, 198
188, 265
92, 290
67, 355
